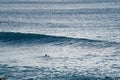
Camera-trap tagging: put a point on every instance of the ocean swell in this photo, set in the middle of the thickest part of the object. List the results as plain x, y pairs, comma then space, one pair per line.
28, 38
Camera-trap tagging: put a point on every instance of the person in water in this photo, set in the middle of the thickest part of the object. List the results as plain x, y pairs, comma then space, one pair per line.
46, 55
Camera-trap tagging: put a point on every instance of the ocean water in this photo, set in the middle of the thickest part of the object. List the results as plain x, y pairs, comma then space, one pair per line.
60, 39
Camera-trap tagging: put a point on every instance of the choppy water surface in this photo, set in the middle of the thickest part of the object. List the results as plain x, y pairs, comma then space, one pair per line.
60, 40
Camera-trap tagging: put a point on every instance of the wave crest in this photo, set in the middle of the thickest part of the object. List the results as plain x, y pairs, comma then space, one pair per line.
25, 38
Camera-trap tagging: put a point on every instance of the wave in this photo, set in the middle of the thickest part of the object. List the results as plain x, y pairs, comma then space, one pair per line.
54, 74
55, 2
27, 38
60, 11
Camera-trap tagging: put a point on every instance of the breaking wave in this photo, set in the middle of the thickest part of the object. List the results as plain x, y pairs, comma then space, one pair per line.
28, 38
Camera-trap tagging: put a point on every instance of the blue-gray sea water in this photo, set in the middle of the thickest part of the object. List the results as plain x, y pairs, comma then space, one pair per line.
60, 39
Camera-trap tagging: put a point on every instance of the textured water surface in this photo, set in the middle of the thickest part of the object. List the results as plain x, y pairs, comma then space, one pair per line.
60, 39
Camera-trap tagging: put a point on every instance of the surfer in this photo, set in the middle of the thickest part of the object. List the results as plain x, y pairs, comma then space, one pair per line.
46, 55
